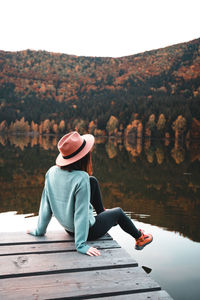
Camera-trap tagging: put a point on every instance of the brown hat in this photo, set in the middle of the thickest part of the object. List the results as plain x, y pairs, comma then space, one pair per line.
73, 147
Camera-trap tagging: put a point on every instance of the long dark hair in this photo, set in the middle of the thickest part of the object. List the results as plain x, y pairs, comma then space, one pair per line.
83, 164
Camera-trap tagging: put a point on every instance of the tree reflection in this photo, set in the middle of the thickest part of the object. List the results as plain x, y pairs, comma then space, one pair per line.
157, 179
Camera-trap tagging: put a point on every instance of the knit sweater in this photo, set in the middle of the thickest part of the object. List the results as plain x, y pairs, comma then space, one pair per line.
66, 195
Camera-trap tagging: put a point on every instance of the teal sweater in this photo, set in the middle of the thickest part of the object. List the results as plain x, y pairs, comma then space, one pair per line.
66, 195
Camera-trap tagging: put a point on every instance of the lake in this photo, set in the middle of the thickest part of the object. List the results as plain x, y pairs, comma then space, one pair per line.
156, 182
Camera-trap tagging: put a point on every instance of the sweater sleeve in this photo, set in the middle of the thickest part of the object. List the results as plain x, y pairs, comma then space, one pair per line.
45, 215
81, 215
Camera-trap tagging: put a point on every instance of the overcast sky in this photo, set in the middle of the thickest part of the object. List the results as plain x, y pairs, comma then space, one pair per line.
97, 27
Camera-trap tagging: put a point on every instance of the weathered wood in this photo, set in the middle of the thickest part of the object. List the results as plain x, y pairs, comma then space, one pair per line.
12, 238
49, 268
66, 246
83, 285
158, 295
36, 264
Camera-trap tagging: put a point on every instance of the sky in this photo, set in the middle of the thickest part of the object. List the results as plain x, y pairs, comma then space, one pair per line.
111, 28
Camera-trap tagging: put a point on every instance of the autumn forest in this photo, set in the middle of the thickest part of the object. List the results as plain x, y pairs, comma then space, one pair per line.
154, 94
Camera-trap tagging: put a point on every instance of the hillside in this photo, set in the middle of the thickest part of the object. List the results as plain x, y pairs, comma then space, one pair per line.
39, 85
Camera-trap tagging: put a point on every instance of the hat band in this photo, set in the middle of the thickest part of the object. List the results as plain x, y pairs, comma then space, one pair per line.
76, 152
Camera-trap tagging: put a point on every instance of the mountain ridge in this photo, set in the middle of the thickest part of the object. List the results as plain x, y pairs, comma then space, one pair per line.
86, 73
96, 56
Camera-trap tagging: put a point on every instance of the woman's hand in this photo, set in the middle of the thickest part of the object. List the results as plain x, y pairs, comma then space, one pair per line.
93, 252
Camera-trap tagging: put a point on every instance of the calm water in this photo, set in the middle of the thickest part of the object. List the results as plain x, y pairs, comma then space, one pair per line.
156, 183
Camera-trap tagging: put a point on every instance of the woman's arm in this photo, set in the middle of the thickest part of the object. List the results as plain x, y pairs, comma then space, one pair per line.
81, 217
45, 215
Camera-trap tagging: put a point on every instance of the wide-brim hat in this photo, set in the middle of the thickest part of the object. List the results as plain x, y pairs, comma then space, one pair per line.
73, 147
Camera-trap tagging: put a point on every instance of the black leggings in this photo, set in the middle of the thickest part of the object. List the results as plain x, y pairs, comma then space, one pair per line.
106, 219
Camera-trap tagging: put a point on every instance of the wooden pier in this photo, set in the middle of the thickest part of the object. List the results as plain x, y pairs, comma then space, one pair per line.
49, 267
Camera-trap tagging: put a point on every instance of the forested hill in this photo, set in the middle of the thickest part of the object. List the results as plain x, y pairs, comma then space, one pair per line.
88, 91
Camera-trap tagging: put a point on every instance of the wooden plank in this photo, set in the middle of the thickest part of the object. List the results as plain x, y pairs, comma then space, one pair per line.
158, 295
21, 249
12, 238
37, 264
83, 285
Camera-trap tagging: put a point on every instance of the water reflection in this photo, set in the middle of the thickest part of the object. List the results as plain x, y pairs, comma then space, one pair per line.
158, 182
20, 141
173, 261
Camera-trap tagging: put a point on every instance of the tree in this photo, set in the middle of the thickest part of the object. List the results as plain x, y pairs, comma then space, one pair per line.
55, 128
80, 126
135, 129
91, 127
61, 126
46, 125
34, 127
20, 126
3, 126
179, 126
161, 122
151, 122
112, 125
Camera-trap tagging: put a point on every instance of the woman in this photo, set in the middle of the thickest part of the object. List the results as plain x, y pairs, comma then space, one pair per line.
70, 194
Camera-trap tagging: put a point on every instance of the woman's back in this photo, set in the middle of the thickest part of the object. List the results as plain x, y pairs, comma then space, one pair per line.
61, 188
